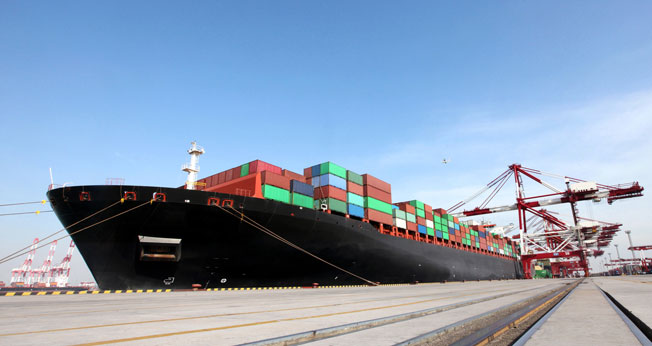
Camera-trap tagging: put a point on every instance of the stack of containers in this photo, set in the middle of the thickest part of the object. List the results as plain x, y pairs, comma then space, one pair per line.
377, 200
301, 194
419, 206
410, 215
329, 183
400, 217
275, 186
354, 194
430, 224
441, 224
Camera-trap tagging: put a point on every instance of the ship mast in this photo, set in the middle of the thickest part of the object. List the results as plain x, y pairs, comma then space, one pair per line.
193, 167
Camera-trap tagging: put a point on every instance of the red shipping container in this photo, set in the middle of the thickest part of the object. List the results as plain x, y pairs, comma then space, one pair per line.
377, 183
330, 191
440, 211
421, 221
375, 215
354, 188
261, 166
427, 208
292, 175
411, 226
270, 178
429, 216
456, 220
307, 172
406, 207
236, 172
229, 175
221, 177
370, 191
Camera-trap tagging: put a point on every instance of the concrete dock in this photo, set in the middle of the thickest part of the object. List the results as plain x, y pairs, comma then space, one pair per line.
237, 317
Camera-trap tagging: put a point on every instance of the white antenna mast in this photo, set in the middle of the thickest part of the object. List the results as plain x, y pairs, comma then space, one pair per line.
193, 167
51, 179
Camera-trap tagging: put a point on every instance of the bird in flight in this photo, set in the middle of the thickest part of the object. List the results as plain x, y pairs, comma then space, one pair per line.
444, 161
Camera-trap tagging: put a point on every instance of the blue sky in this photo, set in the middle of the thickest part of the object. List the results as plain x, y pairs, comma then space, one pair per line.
389, 88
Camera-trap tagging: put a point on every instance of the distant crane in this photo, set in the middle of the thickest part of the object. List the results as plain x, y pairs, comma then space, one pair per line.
19, 276
61, 273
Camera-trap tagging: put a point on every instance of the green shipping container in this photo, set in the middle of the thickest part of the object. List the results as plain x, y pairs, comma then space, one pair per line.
355, 199
430, 231
437, 218
417, 204
421, 213
329, 167
276, 193
370, 202
446, 236
302, 200
410, 217
244, 170
332, 204
354, 177
399, 214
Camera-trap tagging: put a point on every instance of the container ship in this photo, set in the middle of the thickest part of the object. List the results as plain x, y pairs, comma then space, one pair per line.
258, 225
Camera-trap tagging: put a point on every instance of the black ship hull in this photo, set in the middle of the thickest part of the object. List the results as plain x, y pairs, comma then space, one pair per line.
213, 247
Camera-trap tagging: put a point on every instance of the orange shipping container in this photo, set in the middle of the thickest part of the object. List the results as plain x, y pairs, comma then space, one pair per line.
377, 183
375, 215
354, 188
330, 191
270, 178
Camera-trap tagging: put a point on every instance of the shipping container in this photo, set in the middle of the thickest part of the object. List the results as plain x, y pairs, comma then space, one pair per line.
421, 213
329, 179
378, 194
307, 172
352, 198
354, 177
406, 207
368, 179
302, 200
271, 178
261, 166
302, 188
411, 226
332, 204
417, 204
276, 193
400, 223
372, 203
410, 217
331, 168
378, 216
315, 170
248, 186
330, 192
244, 170
355, 188
430, 231
293, 175
422, 229
400, 214
430, 224
356, 210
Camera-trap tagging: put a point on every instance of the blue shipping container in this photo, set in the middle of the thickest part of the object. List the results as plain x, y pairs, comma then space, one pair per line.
482, 234
451, 230
332, 180
422, 229
457, 226
439, 235
356, 210
315, 170
302, 188
395, 206
315, 181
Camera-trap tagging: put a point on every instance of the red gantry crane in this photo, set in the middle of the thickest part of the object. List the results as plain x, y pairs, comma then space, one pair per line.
550, 236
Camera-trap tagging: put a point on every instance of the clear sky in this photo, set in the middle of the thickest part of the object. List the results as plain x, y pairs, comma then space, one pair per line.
119, 89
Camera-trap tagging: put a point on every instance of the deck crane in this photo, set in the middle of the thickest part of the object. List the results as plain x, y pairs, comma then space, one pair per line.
43, 275
558, 239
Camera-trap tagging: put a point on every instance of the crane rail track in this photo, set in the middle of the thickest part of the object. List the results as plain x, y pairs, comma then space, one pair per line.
526, 307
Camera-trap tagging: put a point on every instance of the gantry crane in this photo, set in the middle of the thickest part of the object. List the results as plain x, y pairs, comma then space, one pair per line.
553, 238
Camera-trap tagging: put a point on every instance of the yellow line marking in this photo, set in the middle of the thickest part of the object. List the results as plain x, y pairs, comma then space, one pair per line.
10, 294
26, 293
41, 293
70, 292
127, 291
56, 293
83, 292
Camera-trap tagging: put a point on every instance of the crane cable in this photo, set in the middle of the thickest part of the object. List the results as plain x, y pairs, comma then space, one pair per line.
240, 215
28, 212
19, 253
23, 203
